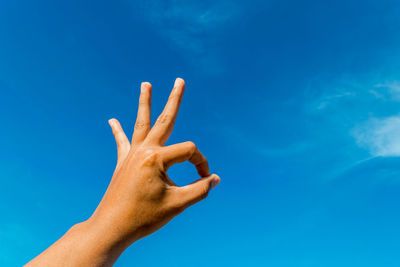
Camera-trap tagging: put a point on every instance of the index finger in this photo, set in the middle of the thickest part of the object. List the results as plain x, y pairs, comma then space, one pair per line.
181, 152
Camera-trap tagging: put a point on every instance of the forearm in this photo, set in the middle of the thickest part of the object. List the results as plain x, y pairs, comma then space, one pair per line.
85, 244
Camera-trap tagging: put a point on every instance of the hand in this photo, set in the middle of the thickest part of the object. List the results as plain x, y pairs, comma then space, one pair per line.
141, 197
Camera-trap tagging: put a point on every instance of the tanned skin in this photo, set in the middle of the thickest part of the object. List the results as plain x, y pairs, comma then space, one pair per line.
140, 198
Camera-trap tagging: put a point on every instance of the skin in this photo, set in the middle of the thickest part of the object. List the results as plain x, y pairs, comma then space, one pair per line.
140, 198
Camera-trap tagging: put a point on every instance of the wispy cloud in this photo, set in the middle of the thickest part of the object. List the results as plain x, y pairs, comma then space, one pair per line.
325, 101
392, 89
380, 136
192, 27
350, 114
360, 94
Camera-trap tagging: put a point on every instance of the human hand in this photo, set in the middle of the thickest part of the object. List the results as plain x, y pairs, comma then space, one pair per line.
141, 197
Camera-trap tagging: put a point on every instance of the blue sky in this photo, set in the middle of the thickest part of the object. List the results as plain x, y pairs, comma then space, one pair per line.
296, 104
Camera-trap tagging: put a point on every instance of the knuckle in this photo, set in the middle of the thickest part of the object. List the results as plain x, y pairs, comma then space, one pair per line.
164, 118
191, 146
151, 157
141, 125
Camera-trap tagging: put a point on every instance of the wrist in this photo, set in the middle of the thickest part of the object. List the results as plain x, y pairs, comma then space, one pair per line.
117, 226
103, 237
84, 244
92, 242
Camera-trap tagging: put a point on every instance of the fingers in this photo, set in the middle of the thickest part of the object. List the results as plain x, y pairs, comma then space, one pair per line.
122, 141
162, 129
190, 194
185, 151
143, 120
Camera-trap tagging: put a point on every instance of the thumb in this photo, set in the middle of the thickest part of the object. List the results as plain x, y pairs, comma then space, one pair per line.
196, 191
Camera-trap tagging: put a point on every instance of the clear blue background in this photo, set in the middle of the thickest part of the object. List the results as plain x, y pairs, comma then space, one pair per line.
295, 103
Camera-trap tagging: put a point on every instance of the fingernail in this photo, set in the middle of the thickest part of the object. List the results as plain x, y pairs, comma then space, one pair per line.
111, 122
143, 86
178, 81
215, 181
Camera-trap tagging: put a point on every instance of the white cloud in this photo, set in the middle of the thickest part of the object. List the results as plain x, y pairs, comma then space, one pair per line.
392, 88
325, 101
380, 136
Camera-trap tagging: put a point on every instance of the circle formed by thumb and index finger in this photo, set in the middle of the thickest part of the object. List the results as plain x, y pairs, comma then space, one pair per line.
186, 151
